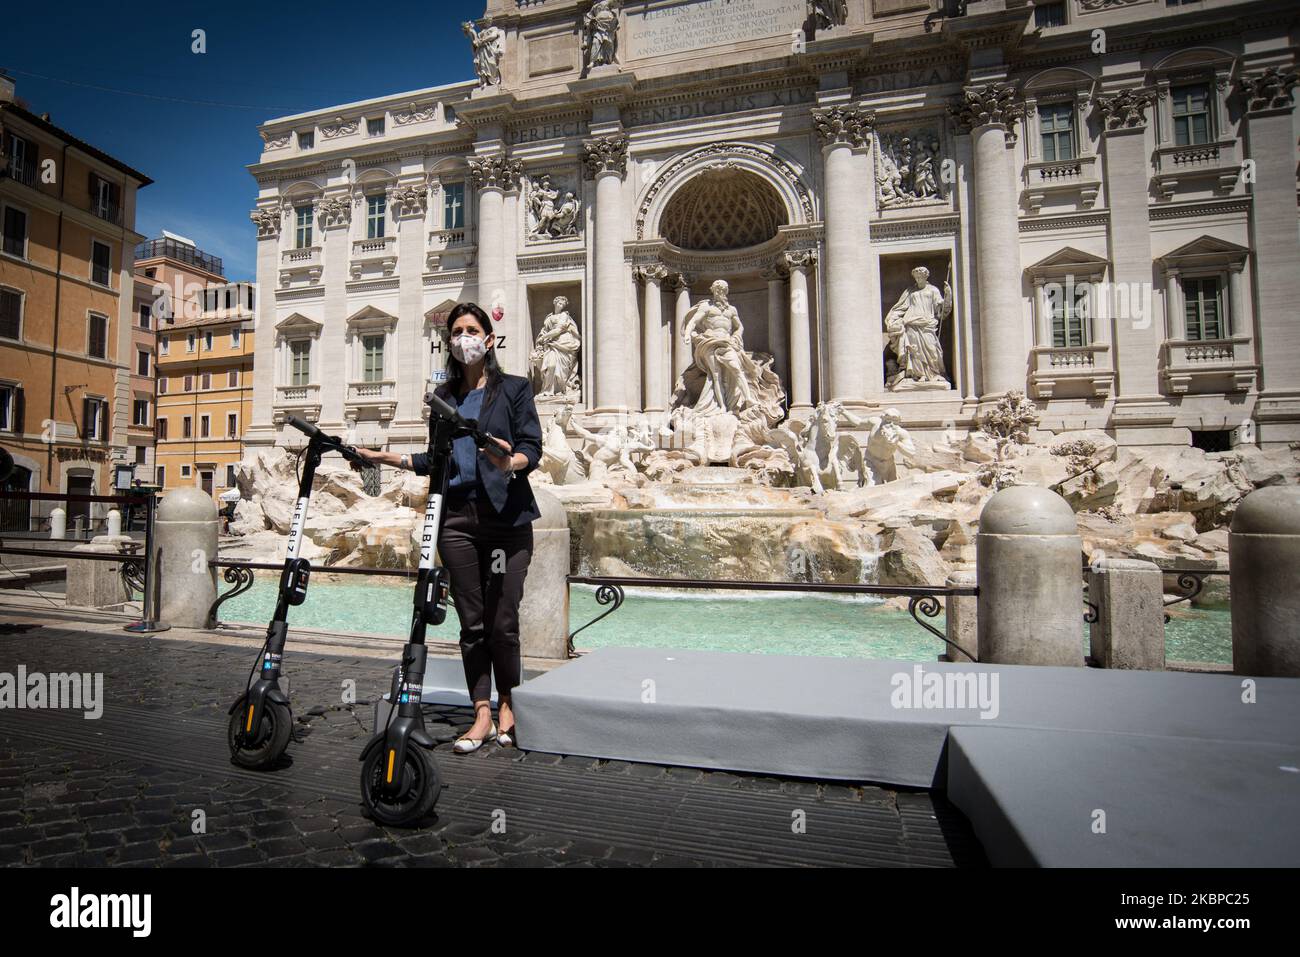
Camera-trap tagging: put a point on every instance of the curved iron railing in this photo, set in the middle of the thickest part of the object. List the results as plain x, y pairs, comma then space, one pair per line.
923, 600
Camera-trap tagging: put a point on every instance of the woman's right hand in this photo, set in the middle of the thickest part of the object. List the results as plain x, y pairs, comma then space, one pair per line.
370, 455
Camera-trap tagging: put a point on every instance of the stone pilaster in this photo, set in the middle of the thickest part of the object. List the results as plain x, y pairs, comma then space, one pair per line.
408, 204
1270, 144
855, 342
1137, 337
605, 160
261, 430
335, 216
681, 286
990, 111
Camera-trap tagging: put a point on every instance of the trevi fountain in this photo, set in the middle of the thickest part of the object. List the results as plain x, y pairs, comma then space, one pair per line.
726, 485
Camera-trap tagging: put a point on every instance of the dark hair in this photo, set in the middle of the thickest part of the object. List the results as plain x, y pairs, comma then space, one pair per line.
455, 370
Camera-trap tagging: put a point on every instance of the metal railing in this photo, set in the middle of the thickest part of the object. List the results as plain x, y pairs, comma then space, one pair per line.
180, 252
923, 600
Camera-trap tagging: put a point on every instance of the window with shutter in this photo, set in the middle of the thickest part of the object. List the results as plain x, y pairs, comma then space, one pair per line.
15, 232
1203, 306
162, 429
6, 408
97, 339
101, 260
11, 311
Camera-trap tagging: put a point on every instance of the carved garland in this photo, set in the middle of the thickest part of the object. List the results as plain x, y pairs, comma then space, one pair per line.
781, 166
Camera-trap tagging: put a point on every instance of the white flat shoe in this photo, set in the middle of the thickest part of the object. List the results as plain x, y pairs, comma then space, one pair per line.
468, 745
506, 739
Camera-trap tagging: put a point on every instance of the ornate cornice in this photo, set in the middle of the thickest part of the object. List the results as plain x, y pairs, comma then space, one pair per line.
605, 154
843, 125
1270, 90
989, 104
1125, 109
268, 222
914, 228
495, 172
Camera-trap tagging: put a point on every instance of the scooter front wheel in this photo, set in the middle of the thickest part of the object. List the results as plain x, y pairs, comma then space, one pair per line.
415, 798
257, 750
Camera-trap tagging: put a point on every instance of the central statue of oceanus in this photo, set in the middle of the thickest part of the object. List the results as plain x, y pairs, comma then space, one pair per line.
724, 387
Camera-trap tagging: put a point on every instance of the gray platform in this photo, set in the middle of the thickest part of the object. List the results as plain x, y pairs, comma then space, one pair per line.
832, 718
1185, 771
1037, 798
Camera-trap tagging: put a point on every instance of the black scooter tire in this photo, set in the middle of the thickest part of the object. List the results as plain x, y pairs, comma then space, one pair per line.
272, 739
421, 786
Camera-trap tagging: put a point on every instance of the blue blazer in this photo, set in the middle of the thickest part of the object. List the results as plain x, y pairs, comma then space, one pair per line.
509, 412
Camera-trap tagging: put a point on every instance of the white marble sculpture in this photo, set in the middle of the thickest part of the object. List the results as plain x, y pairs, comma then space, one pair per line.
907, 168
600, 34
553, 363
724, 386
552, 213
828, 13
488, 45
886, 438
611, 450
560, 464
912, 326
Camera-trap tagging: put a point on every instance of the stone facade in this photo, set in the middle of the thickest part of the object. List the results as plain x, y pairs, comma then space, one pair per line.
1115, 212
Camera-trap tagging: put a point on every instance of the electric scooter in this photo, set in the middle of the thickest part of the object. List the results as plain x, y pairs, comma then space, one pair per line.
399, 777
261, 721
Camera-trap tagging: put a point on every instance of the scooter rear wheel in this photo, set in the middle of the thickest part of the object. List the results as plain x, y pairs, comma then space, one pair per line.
267, 744
420, 787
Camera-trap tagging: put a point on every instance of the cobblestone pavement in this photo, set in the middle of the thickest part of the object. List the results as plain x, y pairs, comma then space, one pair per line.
125, 789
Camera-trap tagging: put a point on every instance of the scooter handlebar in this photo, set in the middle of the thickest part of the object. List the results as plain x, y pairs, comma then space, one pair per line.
445, 411
327, 441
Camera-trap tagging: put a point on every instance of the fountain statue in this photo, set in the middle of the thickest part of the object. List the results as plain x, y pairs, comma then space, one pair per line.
488, 45
560, 464
609, 454
724, 387
553, 363
912, 326
600, 34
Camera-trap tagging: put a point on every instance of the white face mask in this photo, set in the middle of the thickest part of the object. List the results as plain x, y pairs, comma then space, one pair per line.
468, 348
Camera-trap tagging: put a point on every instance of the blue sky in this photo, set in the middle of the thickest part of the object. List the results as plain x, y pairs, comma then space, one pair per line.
263, 60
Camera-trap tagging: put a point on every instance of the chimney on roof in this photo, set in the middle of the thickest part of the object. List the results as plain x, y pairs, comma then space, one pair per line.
6, 87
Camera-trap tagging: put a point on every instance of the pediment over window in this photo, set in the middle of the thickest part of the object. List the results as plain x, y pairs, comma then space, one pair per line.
438, 314
1207, 250
1069, 261
298, 324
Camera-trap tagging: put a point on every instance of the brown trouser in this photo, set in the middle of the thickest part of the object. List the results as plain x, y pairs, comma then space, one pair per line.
487, 561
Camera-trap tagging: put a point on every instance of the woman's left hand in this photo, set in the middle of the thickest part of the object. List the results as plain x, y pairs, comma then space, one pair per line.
502, 458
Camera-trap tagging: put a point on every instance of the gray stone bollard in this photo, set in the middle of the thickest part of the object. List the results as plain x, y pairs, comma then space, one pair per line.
185, 532
1028, 563
961, 613
1130, 628
544, 610
96, 584
1264, 570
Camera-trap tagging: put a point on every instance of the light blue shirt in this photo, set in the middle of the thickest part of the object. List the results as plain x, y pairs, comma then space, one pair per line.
464, 453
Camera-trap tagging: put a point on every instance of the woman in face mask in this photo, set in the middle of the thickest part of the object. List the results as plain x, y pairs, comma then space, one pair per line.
486, 540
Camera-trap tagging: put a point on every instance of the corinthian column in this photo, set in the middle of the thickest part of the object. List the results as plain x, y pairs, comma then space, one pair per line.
606, 163
492, 176
855, 341
990, 111
799, 264
652, 334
